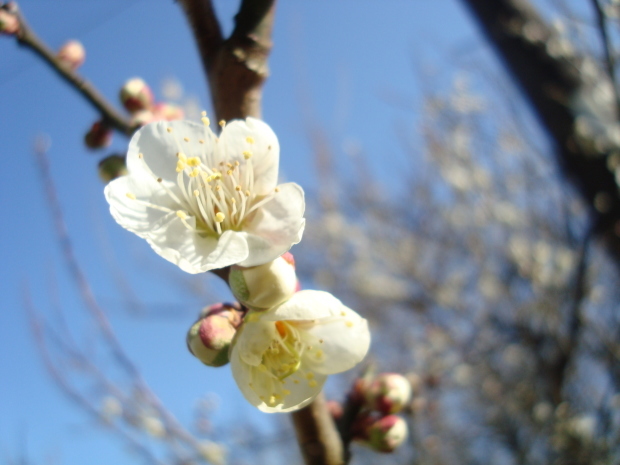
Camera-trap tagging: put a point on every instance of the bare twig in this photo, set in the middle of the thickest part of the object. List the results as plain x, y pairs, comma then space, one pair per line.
27, 37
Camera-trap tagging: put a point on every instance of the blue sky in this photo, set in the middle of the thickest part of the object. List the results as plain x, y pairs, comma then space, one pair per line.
337, 64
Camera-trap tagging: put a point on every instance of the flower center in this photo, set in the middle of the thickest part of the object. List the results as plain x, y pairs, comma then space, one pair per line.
283, 356
219, 196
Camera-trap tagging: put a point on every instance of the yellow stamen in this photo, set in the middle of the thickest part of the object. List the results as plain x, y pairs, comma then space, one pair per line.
247, 154
193, 161
312, 383
222, 123
349, 324
140, 155
195, 172
196, 193
186, 139
249, 140
181, 156
219, 217
205, 121
169, 129
131, 196
180, 166
181, 214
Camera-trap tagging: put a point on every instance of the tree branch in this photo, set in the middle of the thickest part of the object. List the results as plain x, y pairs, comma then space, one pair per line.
552, 84
317, 436
236, 67
26, 37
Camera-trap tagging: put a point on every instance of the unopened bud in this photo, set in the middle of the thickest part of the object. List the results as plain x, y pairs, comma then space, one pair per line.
387, 434
388, 393
264, 286
72, 54
167, 112
9, 23
209, 338
99, 136
335, 409
136, 95
112, 167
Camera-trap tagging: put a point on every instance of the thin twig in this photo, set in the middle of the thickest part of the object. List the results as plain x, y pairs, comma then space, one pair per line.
27, 37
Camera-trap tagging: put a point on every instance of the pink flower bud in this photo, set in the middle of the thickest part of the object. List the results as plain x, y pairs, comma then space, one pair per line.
335, 409
387, 434
264, 286
72, 54
136, 95
388, 393
9, 23
210, 337
142, 118
112, 167
167, 112
99, 136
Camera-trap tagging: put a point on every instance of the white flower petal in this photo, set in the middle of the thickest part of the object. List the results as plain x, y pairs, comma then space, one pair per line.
306, 305
344, 342
262, 144
160, 147
276, 226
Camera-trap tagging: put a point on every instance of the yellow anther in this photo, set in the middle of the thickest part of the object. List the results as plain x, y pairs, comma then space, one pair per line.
247, 154
180, 166
201, 141
277, 189
193, 161
196, 193
295, 381
249, 140
262, 398
321, 341
286, 392
219, 217
209, 178
247, 193
140, 155
277, 396
343, 314
181, 214
218, 188
195, 172
186, 139
237, 163
309, 375
222, 123
272, 400
169, 129
159, 179
312, 383
238, 188
232, 200
349, 324
229, 165
206, 121
229, 172
217, 176
181, 156
319, 354
131, 196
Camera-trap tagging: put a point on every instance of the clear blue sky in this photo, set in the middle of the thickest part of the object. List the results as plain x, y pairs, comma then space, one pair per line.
338, 64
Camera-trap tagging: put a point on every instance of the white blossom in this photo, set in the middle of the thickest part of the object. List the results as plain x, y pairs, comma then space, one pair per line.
280, 358
204, 202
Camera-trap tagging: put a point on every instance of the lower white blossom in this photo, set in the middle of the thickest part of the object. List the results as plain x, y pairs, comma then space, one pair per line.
205, 202
280, 358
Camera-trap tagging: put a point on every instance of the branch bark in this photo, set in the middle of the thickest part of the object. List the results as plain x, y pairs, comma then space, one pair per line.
27, 38
551, 82
236, 67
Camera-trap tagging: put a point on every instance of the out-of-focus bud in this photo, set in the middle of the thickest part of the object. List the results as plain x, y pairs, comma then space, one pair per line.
136, 95
388, 393
264, 286
98, 136
9, 23
112, 167
72, 54
335, 409
209, 338
141, 118
167, 112
386, 434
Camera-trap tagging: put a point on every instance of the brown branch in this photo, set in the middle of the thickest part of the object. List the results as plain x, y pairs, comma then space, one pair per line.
551, 83
27, 37
236, 67
316, 432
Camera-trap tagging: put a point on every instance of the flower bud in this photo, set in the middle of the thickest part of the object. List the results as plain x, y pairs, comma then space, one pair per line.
264, 286
72, 54
99, 136
9, 23
388, 393
167, 112
136, 95
387, 434
335, 409
112, 167
142, 118
209, 338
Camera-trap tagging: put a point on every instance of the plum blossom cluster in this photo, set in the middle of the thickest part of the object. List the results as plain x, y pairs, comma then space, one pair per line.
212, 202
